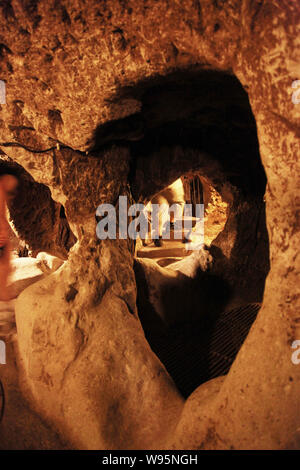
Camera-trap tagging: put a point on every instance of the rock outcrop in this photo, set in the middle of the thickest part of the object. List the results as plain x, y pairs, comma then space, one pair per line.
123, 97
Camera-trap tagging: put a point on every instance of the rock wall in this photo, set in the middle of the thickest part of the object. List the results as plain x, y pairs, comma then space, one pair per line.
37, 218
76, 76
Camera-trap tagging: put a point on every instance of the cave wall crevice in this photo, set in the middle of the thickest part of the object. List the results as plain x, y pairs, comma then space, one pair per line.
88, 368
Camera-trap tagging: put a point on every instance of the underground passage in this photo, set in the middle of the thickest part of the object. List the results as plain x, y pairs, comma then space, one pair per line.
149, 225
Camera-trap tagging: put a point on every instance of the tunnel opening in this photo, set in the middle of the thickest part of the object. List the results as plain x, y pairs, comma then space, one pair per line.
196, 310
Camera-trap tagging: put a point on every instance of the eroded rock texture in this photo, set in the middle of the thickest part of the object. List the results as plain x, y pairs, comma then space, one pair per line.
126, 96
37, 218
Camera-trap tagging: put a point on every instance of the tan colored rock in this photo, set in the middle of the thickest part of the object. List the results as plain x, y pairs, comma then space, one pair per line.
79, 371
111, 79
49, 262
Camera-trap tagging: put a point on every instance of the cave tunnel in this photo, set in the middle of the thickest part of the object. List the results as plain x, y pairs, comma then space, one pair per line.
196, 308
198, 125
119, 343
